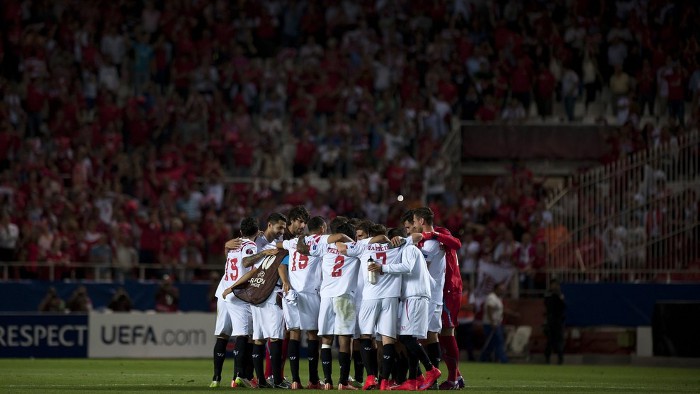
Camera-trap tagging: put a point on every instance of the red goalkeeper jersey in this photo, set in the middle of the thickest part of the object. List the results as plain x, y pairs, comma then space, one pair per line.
453, 276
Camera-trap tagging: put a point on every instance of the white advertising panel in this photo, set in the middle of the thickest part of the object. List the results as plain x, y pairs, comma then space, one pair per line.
150, 335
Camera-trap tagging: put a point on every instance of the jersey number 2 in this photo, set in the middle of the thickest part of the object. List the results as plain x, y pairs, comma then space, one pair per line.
338, 266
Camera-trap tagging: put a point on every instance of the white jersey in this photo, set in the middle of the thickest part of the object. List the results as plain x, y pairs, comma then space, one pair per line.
435, 258
387, 285
339, 270
234, 265
262, 244
417, 281
304, 271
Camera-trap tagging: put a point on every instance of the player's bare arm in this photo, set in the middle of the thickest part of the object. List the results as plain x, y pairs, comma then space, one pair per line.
283, 271
234, 243
251, 260
374, 267
415, 238
333, 238
240, 281
342, 247
302, 247
380, 239
398, 244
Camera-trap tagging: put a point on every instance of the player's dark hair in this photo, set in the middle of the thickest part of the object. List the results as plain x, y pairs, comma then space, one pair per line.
276, 217
424, 213
337, 221
364, 225
249, 227
356, 222
298, 212
347, 229
407, 216
396, 232
315, 223
377, 229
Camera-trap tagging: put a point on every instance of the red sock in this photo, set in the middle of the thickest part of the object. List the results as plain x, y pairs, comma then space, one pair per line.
450, 355
268, 363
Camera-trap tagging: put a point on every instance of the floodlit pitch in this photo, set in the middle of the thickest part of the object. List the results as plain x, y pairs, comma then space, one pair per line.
71, 375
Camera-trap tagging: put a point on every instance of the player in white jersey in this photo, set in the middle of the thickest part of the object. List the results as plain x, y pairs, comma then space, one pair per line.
379, 308
337, 311
435, 258
268, 320
233, 316
415, 299
362, 230
302, 302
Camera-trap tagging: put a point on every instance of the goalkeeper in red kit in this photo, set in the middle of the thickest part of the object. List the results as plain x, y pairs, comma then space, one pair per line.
452, 293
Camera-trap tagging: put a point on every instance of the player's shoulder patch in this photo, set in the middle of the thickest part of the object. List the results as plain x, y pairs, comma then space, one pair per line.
249, 251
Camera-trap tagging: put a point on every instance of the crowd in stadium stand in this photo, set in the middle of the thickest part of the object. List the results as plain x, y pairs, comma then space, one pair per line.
120, 121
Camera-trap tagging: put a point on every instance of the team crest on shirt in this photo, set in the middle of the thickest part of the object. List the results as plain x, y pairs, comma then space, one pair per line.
249, 251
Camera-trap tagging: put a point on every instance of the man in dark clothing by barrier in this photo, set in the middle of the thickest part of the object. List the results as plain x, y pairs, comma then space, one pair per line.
554, 325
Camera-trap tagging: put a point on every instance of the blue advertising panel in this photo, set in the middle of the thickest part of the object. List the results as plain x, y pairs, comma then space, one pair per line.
43, 335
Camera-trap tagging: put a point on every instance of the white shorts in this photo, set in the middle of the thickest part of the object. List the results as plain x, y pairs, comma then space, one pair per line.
268, 320
304, 314
240, 315
337, 316
223, 320
414, 317
379, 316
358, 304
435, 317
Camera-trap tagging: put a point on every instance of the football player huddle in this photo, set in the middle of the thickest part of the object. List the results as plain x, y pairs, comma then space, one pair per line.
387, 296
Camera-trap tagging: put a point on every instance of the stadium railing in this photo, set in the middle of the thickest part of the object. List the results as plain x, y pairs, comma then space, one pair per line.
634, 220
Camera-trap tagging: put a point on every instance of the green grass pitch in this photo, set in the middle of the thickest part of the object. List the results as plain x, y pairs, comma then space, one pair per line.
71, 375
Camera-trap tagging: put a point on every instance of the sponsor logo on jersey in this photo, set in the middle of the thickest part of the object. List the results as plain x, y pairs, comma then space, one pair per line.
258, 280
267, 262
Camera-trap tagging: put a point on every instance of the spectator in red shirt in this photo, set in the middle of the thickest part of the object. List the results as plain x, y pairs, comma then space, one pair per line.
521, 83
36, 101
488, 112
676, 94
167, 296
150, 241
304, 155
646, 88
544, 90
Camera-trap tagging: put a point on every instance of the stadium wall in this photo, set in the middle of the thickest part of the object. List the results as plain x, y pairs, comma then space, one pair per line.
107, 335
588, 304
193, 296
620, 304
